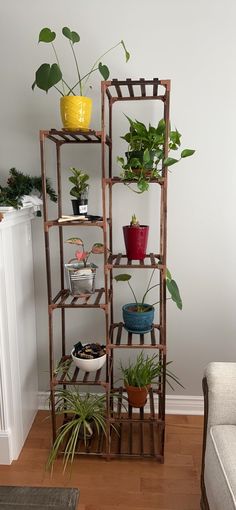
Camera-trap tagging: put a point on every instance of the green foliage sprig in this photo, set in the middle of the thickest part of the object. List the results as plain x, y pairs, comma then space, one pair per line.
20, 184
145, 155
83, 412
170, 284
145, 370
80, 182
49, 75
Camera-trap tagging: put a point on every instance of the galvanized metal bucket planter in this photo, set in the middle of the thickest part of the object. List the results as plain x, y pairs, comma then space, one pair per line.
80, 279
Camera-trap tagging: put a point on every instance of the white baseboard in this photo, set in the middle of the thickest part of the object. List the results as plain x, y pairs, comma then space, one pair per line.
5, 448
175, 404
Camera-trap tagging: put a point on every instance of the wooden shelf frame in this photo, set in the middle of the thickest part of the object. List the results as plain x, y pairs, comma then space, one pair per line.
116, 262
138, 90
122, 339
152, 426
65, 300
73, 376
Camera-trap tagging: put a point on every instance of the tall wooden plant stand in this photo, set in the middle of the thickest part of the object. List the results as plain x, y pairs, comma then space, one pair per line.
137, 434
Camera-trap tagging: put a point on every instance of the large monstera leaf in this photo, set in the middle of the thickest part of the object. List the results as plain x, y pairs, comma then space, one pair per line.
46, 35
47, 76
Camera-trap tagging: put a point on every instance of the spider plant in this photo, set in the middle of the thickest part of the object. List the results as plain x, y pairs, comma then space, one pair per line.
145, 370
85, 413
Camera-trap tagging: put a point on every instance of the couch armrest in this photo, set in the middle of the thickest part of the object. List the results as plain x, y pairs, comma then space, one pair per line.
221, 382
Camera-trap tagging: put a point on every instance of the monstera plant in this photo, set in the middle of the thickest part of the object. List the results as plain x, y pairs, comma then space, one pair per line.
50, 76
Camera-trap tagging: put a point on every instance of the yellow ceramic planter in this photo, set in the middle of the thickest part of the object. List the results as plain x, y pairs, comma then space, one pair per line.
76, 112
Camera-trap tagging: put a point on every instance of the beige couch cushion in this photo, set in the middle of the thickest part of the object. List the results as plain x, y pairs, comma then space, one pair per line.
220, 467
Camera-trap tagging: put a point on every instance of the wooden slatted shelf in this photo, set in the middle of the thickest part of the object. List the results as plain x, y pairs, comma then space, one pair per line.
119, 180
65, 300
78, 136
73, 376
73, 223
151, 261
94, 446
123, 90
133, 434
138, 433
120, 338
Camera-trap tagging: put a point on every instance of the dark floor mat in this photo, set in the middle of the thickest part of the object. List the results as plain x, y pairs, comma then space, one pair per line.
38, 498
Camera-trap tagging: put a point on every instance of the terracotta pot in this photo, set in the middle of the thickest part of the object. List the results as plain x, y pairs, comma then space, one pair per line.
137, 397
136, 239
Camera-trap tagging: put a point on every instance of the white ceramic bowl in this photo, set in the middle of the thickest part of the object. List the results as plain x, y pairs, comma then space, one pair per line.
89, 365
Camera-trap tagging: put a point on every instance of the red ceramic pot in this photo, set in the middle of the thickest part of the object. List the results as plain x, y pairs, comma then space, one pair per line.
136, 239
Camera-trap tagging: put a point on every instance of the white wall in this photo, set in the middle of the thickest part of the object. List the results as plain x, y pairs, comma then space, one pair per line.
193, 44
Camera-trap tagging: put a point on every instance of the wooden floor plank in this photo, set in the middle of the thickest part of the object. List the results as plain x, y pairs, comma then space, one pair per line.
137, 483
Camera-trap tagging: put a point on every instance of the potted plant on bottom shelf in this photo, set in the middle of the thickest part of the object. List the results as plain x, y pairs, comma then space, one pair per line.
79, 191
139, 376
85, 417
138, 317
136, 238
80, 275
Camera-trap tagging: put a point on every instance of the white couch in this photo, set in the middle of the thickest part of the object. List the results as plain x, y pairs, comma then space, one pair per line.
218, 480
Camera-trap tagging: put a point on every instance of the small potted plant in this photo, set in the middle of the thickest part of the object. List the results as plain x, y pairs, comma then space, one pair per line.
85, 418
139, 376
136, 238
145, 155
79, 191
81, 274
138, 317
75, 109
89, 356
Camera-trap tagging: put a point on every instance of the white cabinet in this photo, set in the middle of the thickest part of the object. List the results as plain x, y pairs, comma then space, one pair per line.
18, 354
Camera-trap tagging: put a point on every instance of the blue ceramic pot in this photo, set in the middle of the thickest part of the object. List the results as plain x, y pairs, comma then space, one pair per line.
137, 322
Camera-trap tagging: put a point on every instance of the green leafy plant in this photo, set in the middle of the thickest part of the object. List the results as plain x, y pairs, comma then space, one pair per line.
84, 413
145, 155
49, 75
80, 182
81, 254
20, 184
141, 306
145, 370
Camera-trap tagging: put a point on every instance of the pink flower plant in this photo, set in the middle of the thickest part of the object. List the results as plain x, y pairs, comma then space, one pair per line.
82, 255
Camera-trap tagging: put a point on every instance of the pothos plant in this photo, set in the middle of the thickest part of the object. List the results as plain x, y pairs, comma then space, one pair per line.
50, 75
82, 255
146, 149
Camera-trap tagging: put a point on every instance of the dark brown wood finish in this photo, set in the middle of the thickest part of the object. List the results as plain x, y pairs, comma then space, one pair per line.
130, 424
151, 261
114, 91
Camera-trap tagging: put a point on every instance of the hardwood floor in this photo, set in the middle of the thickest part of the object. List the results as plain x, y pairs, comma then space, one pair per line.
119, 484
